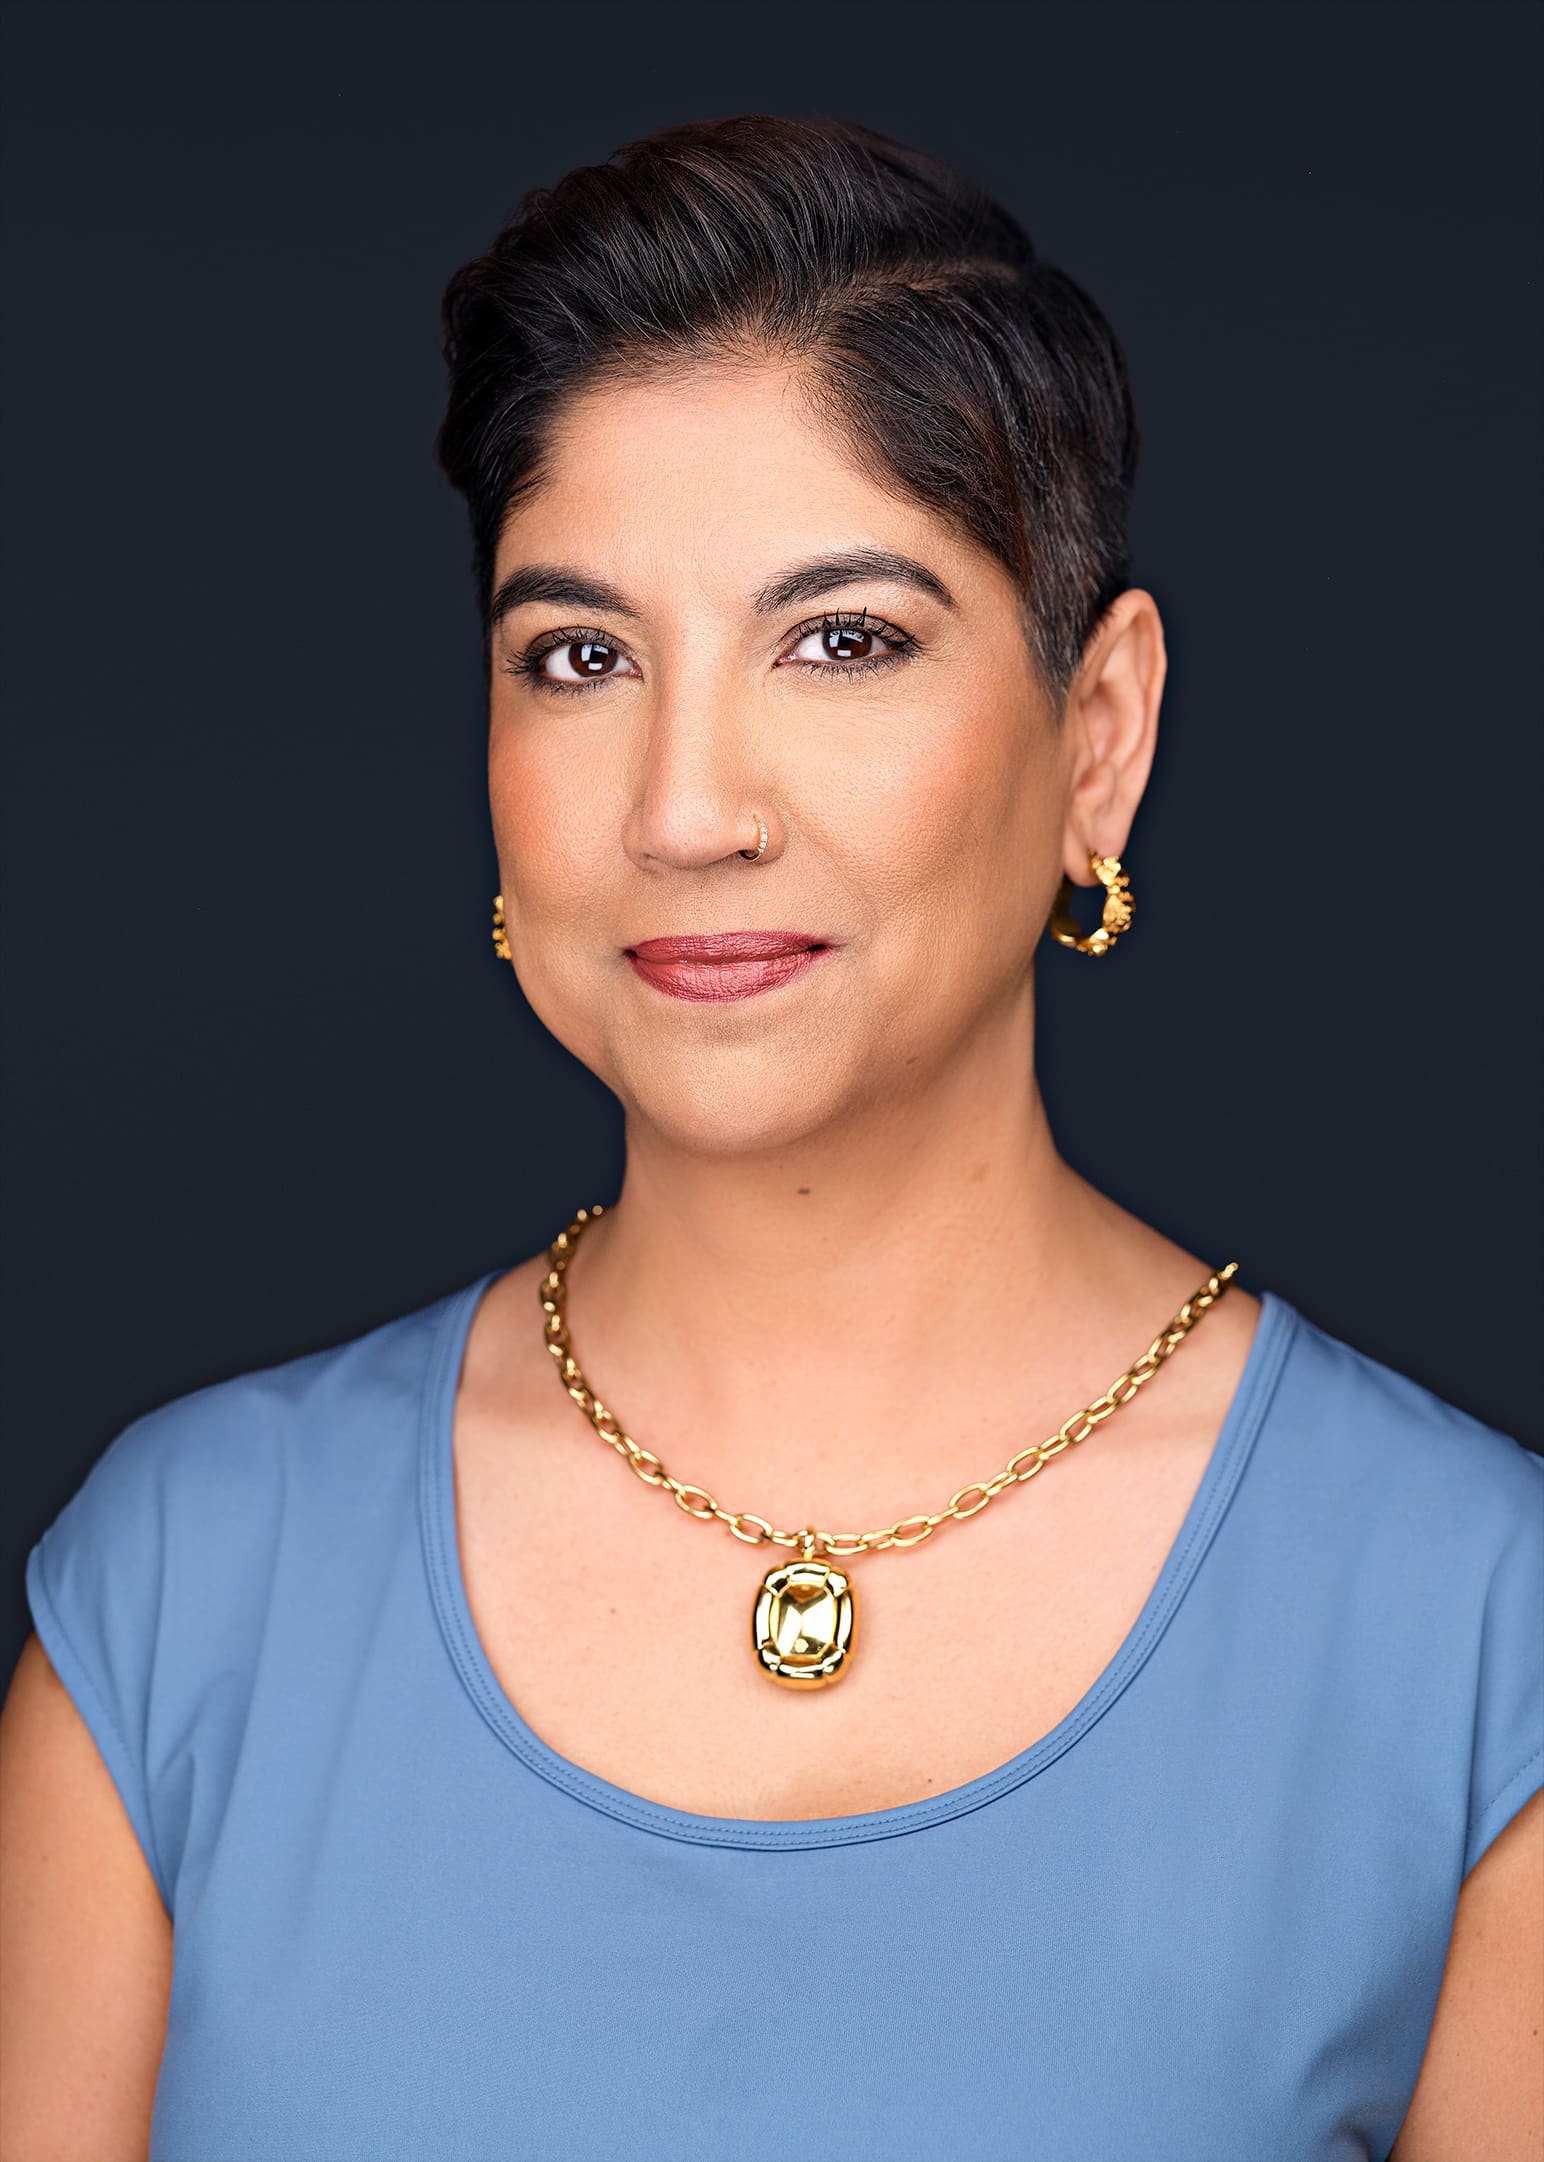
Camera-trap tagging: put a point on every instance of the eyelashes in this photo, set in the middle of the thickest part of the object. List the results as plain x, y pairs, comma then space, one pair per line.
592, 644
596, 648
847, 624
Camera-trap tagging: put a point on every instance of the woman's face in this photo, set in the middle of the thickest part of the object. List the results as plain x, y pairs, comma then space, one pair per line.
911, 773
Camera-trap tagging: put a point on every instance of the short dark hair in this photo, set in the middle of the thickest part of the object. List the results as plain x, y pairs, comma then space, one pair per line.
956, 363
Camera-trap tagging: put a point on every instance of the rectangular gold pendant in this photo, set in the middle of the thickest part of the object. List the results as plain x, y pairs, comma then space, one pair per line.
802, 1624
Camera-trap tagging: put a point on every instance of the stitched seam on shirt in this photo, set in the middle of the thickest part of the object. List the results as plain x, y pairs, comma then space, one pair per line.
628, 1809
97, 1698
631, 1809
153, 1856
1526, 1764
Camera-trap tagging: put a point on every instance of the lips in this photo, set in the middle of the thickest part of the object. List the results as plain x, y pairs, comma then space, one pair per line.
717, 966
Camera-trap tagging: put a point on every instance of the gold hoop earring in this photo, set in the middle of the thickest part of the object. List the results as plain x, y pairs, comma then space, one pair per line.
500, 942
1064, 927
754, 855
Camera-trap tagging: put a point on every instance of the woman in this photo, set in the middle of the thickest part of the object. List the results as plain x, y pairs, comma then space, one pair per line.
494, 1805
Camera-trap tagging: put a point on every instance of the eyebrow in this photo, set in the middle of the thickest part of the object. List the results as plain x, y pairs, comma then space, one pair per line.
807, 581
558, 585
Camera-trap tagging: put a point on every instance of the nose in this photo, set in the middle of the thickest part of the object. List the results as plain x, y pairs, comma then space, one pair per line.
699, 797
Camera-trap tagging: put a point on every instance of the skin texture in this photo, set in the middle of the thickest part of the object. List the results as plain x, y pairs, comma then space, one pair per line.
848, 1269
1481, 2089
85, 1943
891, 829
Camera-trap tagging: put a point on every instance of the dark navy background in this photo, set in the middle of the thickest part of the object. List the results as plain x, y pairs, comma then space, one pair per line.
266, 1083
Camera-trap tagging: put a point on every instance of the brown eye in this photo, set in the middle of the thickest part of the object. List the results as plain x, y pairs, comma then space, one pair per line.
846, 643
840, 642
579, 661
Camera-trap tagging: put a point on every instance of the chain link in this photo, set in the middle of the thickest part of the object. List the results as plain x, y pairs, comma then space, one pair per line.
697, 1501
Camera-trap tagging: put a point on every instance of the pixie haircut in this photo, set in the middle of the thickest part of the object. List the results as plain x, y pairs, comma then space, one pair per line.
957, 368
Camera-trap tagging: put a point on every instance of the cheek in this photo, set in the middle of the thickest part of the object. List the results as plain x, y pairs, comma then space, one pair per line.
952, 818
549, 827
553, 861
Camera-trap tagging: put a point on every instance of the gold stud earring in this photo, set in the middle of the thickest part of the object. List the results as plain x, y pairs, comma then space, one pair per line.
500, 942
1064, 927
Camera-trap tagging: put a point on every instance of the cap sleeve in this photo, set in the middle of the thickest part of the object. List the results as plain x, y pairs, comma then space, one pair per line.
94, 1587
1507, 1764
147, 1592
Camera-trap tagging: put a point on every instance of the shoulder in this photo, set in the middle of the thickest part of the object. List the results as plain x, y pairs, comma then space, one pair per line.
1385, 1439
1412, 1537
214, 1528
182, 1521
221, 1448
1439, 1515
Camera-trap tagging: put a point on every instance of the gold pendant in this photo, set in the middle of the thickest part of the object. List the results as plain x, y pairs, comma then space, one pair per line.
803, 1621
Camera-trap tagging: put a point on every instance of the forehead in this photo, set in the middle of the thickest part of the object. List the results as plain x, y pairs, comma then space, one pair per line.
714, 474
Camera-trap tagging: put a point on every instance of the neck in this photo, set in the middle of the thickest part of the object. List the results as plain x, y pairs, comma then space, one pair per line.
777, 1326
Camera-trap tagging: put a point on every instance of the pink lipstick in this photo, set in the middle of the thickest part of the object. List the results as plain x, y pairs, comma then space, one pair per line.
720, 965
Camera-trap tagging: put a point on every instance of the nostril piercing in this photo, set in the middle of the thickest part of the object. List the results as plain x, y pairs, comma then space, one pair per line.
754, 855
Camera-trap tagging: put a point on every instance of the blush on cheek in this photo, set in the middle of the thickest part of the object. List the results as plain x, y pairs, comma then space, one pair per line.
554, 843
972, 833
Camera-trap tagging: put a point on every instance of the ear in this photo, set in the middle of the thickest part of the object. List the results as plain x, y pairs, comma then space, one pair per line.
1111, 724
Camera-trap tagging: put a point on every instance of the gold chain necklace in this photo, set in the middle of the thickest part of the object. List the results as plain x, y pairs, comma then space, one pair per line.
805, 1613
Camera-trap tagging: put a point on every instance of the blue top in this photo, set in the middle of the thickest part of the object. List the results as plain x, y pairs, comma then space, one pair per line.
1204, 1919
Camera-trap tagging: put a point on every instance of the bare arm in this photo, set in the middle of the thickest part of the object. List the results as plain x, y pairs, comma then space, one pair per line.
85, 1942
1480, 2096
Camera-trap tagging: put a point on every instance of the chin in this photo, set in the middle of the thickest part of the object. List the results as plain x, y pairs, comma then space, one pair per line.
719, 1105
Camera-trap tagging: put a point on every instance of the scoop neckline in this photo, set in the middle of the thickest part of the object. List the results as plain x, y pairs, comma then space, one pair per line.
1231, 1453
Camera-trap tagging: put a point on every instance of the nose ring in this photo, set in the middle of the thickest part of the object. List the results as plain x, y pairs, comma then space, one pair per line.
754, 855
